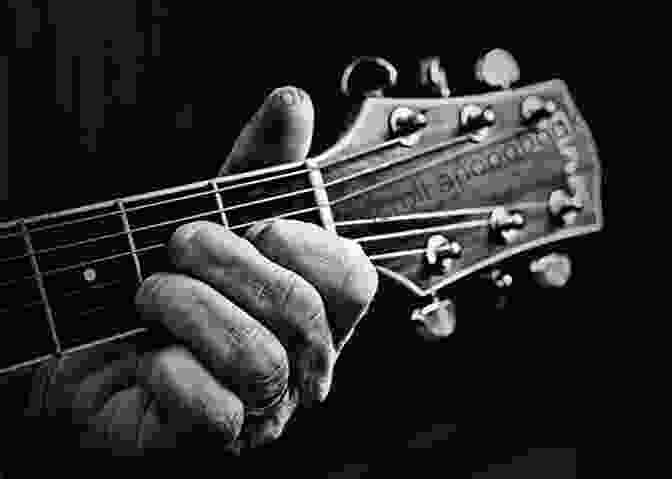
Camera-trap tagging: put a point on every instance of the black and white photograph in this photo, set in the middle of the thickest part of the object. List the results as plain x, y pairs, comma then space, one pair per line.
230, 250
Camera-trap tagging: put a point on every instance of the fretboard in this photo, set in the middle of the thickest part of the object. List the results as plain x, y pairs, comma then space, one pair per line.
68, 279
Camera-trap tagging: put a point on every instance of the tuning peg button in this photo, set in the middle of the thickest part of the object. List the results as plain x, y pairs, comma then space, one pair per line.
368, 77
563, 208
535, 110
441, 253
437, 320
552, 271
497, 68
433, 77
506, 226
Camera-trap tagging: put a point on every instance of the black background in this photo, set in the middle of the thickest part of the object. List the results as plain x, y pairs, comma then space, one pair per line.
191, 79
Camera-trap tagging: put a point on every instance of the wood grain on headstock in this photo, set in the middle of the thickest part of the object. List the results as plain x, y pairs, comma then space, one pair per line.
512, 167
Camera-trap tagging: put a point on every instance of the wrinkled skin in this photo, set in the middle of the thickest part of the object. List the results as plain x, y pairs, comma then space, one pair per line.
258, 323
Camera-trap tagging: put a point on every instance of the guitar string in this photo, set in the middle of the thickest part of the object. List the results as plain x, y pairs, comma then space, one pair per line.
219, 190
524, 206
200, 215
254, 202
128, 253
351, 156
135, 331
404, 233
144, 250
158, 203
442, 145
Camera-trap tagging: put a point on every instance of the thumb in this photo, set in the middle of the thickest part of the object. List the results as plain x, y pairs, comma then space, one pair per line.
280, 131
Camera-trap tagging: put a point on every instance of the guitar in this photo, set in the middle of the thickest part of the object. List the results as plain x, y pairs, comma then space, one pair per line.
434, 190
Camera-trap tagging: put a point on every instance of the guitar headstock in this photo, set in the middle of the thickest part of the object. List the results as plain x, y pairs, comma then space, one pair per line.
436, 190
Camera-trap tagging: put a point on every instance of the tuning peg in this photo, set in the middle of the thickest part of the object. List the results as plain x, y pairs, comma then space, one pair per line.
564, 207
476, 121
506, 226
368, 77
535, 110
432, 77
441, 253
552, 271
407, 123
437, 320
497, 68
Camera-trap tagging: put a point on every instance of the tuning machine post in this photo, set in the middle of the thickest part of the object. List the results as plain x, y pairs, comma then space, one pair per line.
476, 121
505, 225
565, 205
407, 125
534, 110
440, 254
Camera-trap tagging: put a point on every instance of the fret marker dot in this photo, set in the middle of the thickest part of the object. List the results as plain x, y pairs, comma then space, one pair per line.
90, 274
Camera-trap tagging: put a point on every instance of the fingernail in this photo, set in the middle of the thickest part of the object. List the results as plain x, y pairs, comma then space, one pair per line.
256, 229
287, 97
315, 389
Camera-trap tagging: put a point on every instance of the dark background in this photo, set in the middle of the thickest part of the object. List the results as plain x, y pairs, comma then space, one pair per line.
108, 99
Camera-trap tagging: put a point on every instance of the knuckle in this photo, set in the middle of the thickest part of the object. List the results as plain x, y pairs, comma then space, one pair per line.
300, 298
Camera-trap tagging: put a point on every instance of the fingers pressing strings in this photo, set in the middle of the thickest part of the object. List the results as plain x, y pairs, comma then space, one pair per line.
282, 300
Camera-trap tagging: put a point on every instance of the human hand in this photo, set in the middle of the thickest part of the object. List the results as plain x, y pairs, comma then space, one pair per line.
259, 321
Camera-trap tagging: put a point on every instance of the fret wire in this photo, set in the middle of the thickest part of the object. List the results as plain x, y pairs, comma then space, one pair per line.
157, 225
152, 194
220, 204
30, 362
40, 285
73, 222
109, 339
147, 248
204, 193
67, 245
131, 243
225, 178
